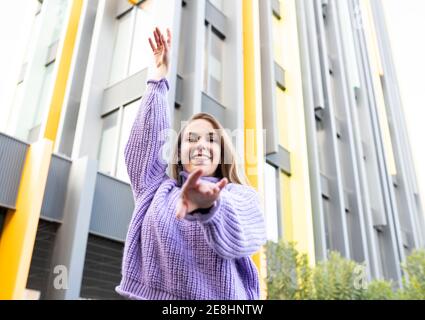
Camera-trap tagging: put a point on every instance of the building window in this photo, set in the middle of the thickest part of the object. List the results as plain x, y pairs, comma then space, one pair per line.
217, 3
131, 51
122, 46
129, 115
140, 55
115, 133
270, 202
213, 65
108, 143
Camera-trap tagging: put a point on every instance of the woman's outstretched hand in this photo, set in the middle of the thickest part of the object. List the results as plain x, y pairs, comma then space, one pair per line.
198, 194
161, 51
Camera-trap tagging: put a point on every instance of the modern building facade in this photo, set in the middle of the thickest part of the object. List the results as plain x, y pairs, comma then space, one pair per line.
311, 83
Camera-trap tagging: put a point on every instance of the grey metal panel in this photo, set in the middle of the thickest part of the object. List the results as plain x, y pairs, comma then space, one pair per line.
330, 161
216, 18
275, 4
268, 87
113, 206
22, 72
76, 80
398, 130
56, 188
34, 134
387, 241
310, 97
124, 91
179, 91
51, 52
12, 159
325, 186
280, 207
281, 160
279, 74
122, 7
71, 238
343, 99
211, 106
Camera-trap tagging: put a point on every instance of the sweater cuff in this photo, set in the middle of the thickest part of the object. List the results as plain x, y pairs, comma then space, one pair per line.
205, 217
161, 84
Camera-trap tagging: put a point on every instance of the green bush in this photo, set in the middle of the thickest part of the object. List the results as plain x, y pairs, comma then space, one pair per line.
288, 272
379, 290
414, 279
334, 279
290, 277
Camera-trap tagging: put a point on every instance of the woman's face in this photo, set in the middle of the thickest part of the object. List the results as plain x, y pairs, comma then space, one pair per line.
200, 147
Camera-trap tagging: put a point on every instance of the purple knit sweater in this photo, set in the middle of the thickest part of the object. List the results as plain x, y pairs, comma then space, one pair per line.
204, 256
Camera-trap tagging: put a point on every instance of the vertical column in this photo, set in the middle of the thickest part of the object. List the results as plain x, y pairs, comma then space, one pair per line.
252, 111
64, 59
71, 240
20, 226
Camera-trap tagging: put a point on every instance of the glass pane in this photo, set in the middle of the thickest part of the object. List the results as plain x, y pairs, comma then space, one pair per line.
60, 16
108, 143
45, 95
217, 3
130, 112
270, 203
141, 51
206, 54
13, 116
215, 67
121, 49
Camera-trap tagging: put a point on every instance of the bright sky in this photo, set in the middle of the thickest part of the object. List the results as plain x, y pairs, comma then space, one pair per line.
406, 26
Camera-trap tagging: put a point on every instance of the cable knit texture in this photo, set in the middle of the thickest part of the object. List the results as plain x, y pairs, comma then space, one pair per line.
204, 256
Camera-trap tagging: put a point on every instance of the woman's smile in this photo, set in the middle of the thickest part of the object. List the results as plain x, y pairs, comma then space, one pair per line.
200, 159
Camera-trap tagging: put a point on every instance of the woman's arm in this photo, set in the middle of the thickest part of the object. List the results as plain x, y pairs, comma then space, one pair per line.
234, 227
145, 167
147, 136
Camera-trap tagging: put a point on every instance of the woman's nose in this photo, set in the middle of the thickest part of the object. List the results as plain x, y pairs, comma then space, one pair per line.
200, 146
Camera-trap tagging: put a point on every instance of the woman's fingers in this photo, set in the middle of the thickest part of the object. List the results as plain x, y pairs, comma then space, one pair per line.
168, 37
206, 189
160, 40
222, 183
164, 43
157, 37
192, 180
152, 45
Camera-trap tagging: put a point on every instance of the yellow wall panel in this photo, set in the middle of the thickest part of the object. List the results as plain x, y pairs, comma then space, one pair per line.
64, 60
252, 114
20, 226
297, 211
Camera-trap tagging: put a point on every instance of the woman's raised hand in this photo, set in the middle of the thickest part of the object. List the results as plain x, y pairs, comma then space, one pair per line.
198, 194
161, 50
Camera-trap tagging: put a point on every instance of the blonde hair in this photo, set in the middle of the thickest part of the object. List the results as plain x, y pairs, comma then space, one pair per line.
227, 170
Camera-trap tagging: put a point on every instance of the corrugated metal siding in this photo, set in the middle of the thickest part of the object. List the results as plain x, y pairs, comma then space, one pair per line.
41, 261
56, 187
113, 206
102, 268
12, 159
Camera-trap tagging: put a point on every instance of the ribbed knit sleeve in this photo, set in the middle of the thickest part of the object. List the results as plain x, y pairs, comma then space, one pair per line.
234, 226
145, 167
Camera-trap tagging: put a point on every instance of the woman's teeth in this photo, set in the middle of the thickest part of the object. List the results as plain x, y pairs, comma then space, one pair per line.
201, 157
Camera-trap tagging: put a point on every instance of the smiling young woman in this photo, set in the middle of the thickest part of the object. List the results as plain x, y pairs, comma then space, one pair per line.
192, 234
